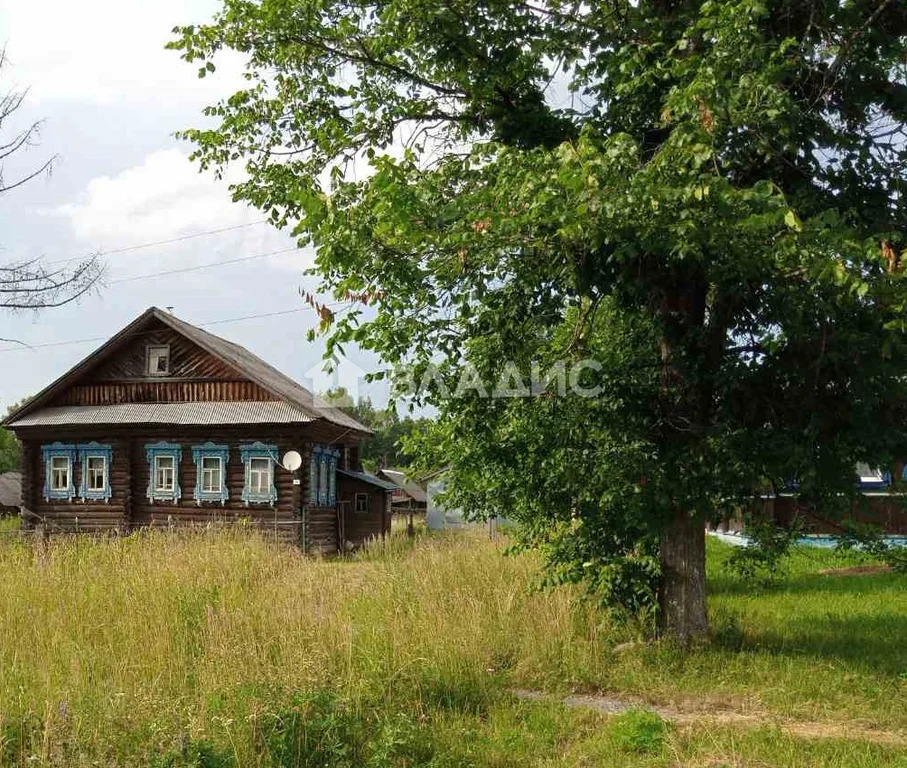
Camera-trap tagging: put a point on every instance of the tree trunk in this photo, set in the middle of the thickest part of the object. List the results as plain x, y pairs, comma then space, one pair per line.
682, 612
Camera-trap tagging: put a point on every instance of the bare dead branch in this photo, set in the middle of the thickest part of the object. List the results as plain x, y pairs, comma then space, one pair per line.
28, 284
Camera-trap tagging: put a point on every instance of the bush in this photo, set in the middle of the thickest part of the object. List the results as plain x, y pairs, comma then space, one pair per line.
639, 731
196, 754
317, 730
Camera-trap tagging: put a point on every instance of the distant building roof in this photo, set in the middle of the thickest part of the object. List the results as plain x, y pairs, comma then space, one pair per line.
412, 489
303, 403
365, 477
11, 489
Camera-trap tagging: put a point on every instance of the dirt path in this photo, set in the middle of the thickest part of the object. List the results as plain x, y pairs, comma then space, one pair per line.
613, 705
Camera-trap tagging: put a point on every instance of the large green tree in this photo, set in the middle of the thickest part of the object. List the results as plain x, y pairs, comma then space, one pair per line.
384, 448
707, 198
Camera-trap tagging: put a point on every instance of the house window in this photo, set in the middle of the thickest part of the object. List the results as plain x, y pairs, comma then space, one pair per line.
95, 459
163, 470
60, 472
323, 475
158, 360
259, 487
260, 475
59, 461
163, 474
362, 502
96, 473
211, 470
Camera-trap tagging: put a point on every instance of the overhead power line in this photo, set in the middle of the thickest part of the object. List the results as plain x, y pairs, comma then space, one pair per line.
73, 342
152, 244
209, 265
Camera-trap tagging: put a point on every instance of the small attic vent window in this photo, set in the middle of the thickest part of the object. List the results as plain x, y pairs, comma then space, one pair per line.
158, 360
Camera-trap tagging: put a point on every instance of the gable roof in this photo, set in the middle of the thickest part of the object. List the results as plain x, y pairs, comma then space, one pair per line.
412, 489
244, 362
366, 477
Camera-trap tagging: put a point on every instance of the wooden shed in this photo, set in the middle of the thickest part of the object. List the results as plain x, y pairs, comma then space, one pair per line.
10, 493
167, 425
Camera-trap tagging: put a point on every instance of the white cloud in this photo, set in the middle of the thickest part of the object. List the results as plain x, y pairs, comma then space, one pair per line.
165, 198
108, 50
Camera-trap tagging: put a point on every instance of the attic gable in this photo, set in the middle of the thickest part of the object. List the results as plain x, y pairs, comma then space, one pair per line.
201, 368
187, 360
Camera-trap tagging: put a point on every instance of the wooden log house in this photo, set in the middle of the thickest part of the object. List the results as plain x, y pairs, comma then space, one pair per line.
169, 425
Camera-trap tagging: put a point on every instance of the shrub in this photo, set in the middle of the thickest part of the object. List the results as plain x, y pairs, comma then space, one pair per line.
639, 731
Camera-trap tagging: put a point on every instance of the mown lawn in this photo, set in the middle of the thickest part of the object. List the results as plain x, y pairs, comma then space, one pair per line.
220, 649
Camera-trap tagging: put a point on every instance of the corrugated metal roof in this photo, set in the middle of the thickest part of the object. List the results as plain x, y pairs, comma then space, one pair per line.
263, 373
11, 489
247, 364
412, 488
365, 477
255, 412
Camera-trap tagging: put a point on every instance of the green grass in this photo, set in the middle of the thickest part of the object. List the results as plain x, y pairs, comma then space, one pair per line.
9, 525
220, 649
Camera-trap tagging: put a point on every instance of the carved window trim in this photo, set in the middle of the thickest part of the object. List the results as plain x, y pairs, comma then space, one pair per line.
259, 450
323, 475
59, 450
95, 450
210, 451
154, 451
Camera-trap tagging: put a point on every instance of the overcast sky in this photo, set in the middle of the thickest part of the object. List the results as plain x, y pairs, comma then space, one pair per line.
111, 96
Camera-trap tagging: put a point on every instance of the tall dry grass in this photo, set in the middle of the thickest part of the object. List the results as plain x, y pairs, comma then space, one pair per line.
220, 648
117, 644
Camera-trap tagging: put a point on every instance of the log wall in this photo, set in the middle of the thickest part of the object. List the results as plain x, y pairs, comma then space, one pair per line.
321, 530
281, 519
79, 514
130, 508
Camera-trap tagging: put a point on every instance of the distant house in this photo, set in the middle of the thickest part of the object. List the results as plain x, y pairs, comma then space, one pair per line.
408, 495
168, 425
882, 503
10, 493
440, 516
408, 498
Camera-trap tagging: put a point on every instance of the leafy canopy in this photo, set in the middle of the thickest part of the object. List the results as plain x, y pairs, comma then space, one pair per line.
382, 449
705, 197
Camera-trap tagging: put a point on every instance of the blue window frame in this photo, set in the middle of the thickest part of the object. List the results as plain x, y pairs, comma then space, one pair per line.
59, 464
95, 459
164, 471
323, 475
211, 472
259, 460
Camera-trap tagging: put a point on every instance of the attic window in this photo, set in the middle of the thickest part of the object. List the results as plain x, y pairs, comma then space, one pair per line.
158, 360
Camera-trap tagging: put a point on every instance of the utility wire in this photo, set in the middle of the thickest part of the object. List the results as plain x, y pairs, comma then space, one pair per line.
209, 265
140, 246
201, 325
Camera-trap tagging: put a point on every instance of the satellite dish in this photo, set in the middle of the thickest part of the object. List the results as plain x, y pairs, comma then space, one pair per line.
292, 461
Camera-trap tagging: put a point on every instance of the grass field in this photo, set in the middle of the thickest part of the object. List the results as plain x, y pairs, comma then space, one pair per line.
219, 649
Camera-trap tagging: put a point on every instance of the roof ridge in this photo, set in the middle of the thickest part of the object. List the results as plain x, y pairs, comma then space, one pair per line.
237, 356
